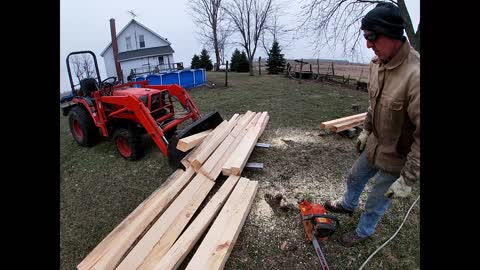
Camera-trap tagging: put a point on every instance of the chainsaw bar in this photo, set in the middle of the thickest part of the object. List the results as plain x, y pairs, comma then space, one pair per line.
321, 257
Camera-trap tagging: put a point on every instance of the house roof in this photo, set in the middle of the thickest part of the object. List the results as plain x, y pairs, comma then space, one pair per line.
153, 51
126, 26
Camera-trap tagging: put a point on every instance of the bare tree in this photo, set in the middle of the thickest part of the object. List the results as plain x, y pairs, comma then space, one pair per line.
338, 22
224, 34
208, 17
87, 66
77, 67
275, 31
249, 19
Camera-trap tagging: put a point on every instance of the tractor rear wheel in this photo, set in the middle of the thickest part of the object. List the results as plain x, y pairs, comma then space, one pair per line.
128, 143
82, 127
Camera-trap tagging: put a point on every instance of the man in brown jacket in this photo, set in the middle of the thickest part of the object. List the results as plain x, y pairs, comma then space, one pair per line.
391, 131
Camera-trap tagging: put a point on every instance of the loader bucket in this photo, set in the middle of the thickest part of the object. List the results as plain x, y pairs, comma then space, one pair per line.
205, 122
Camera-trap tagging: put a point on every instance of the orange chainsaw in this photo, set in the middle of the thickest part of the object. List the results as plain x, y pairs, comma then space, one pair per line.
318, 226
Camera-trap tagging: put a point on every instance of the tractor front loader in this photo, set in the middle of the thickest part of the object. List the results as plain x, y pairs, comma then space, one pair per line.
122, 112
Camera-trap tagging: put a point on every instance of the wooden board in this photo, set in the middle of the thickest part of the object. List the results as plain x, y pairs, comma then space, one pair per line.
239, 157
218, 227
347, 125
184, 160
217, 245
217, 170
108, 254
215, 158
190, 142
166, 229
226, 167
104, 245
177, 253
201, 146
242, 123
214, 143
330, 123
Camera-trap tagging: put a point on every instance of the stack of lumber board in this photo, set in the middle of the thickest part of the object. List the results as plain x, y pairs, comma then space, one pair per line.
156, 236
227, 148
344, 123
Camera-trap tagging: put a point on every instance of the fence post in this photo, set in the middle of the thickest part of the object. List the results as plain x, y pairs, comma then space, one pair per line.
259, 65
301, 68
226, 75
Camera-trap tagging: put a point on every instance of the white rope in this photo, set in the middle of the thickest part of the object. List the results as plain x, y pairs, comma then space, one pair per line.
392, 235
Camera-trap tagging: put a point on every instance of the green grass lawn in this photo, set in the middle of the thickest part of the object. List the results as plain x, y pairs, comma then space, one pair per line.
99, 188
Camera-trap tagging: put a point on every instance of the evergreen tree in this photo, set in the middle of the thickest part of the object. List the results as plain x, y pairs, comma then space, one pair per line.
243, 65
205, 61
195, 62
234, 60
275, 62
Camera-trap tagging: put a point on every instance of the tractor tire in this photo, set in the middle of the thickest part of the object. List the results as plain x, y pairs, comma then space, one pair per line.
82, 127
128, 143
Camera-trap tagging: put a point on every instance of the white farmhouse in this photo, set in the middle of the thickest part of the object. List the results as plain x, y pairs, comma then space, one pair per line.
139, 49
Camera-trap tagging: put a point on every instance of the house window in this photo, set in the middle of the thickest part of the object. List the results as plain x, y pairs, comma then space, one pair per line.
142, 41
160, 60
128, 41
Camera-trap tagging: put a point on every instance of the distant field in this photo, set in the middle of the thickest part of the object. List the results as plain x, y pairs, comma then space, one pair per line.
356, 71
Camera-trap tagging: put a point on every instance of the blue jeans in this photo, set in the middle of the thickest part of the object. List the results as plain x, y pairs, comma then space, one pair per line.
377, 203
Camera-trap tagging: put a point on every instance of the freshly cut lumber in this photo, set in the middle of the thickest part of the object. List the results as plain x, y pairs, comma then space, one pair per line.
177, 253
101, 248
330, 123
217, 169
161, 236
263, 125
214, 143
235, 164
347, 125
190, 142
237, 167
217, 245
254, 120
202, 145
218, 227
215, 158
223, 165
212, 167
184, 160
242, 123
113, 248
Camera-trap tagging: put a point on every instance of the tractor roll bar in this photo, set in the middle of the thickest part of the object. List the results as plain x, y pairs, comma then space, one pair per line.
70, 73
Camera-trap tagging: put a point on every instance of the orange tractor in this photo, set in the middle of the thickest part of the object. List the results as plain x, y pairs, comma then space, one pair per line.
122, 112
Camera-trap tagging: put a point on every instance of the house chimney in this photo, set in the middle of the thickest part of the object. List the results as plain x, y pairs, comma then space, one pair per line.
115, 50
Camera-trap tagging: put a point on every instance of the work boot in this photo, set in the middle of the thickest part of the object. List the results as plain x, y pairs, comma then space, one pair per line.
336, 206
351, 239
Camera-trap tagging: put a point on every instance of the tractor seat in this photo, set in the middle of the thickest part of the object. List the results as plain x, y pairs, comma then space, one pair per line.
88, 86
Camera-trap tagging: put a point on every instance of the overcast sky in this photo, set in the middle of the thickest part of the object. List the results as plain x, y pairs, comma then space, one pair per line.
84, 25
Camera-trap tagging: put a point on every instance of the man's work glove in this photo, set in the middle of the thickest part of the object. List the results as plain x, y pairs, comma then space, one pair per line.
362, 140
399, 188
